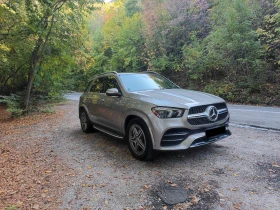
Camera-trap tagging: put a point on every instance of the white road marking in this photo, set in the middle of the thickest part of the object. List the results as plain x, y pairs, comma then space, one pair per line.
246, 110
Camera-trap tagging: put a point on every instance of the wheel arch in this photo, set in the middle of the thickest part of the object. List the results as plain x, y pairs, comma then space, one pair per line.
142, 118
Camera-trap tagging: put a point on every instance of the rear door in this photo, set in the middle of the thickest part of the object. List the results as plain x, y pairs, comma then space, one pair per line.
94, 98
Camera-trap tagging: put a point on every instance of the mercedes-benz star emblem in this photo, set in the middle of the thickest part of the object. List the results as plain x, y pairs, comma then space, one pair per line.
212, 113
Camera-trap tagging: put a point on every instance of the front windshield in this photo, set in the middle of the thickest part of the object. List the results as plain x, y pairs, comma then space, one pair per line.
141, 82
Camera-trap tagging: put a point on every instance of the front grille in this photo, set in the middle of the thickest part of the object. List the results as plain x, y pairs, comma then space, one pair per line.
200, 109
204, 119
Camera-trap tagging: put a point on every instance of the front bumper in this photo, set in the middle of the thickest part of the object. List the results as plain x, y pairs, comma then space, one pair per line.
168, 136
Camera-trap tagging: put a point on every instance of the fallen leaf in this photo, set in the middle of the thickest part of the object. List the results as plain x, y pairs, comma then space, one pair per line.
194, 200
220, 194
232, 189
36, 206
173, 185
13, 192
237, 205
235, 175
274, 165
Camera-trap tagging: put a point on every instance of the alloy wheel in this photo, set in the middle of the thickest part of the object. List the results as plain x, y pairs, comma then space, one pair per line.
137, 139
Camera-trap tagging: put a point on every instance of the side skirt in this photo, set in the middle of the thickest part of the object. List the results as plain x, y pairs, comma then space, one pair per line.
109, 132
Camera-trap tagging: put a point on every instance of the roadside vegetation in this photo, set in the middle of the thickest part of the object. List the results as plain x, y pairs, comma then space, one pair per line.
229, 48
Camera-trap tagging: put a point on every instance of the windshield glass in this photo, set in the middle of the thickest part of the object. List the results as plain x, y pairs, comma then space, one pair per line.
140, 82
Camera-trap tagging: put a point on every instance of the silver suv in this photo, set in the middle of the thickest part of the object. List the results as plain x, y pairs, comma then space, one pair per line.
152, 113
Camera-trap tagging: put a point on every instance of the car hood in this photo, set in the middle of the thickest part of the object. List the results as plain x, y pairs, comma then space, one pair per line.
177, 97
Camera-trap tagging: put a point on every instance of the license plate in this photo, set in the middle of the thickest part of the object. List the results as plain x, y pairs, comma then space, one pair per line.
215, 131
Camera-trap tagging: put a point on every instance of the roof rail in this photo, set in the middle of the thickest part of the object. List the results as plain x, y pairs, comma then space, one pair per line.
109, 72
153, 72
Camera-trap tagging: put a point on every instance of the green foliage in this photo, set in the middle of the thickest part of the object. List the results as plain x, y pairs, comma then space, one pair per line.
14, 104
132, 7
269, 34
119, 43
41, 45
230, 52
229, 48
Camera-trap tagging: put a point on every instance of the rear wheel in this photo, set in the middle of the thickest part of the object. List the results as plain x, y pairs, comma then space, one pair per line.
86, 125
139, 140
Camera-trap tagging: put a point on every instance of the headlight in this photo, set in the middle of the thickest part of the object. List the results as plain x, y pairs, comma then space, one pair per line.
167, 112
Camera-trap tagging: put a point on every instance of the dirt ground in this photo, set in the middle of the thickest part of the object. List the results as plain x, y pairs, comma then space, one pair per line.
47, 162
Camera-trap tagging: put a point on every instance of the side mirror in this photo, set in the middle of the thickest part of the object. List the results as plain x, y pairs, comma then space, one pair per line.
113, 92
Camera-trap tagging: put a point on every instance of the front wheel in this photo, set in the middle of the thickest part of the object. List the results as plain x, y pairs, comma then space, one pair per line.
139, 140
86, 125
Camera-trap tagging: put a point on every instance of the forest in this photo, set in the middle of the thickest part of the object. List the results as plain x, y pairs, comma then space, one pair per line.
230, 48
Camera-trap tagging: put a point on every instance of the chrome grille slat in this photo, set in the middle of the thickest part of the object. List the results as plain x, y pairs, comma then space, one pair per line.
197, 115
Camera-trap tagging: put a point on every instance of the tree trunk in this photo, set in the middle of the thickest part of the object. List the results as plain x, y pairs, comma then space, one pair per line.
29, 87
38, 52
36, 57
33, 65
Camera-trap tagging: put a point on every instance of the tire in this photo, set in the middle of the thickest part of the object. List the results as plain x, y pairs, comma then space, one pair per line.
86, 125
139, 140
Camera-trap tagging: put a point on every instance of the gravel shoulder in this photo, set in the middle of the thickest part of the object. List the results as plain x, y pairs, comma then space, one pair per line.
96, 171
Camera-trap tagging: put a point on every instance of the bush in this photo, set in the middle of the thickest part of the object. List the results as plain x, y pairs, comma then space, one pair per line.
14, 104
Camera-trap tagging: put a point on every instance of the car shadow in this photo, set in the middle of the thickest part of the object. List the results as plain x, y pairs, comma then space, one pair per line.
103, 145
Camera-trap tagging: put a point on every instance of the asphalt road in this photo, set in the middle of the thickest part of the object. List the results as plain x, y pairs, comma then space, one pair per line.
258, 117
255, 116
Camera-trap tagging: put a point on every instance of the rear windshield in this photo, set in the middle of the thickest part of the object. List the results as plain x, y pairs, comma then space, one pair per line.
141, 82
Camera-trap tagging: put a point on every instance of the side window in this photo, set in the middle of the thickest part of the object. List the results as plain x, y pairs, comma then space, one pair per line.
111, 82
97, 86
